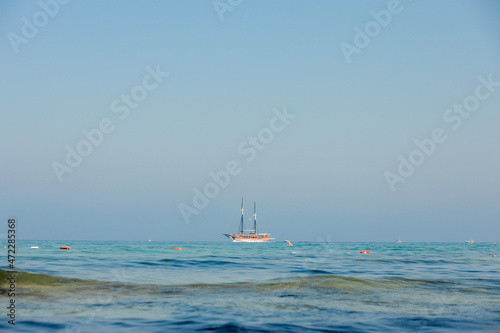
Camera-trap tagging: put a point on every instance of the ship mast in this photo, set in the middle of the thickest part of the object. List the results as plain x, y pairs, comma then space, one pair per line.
254, 218
250, 231
242, 226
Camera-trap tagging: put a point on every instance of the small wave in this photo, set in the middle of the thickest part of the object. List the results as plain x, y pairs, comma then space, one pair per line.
43, 285
43, 325
33, 279
198, 263
39, 284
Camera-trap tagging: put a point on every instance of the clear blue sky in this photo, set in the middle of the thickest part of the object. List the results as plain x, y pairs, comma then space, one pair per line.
322, 175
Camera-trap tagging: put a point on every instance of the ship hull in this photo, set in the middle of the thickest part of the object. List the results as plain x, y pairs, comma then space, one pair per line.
243, 240
251, 238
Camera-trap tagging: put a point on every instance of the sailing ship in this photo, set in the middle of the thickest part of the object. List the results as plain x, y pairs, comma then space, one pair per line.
399, 240
249, 235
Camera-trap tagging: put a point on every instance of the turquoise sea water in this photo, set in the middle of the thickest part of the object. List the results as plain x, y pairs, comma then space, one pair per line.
230, 287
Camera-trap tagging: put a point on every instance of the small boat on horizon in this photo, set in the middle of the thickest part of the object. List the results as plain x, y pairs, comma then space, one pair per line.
399, 240
470, 241
249, 235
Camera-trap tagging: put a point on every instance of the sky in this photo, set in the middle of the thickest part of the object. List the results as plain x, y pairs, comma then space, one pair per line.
344, 121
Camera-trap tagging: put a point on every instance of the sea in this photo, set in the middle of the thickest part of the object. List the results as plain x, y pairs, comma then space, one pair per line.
254, 287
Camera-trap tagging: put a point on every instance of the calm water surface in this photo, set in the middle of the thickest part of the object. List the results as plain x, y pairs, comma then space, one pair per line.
228, 287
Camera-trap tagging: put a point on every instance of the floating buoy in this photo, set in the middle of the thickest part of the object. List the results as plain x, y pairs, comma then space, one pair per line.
493, 255
177, 248
366, 252
289, 244
64, 247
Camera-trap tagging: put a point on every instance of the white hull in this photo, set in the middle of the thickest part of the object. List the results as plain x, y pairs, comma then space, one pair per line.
239, 240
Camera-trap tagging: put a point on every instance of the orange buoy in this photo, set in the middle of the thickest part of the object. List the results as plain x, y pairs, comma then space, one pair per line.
64, 247
366, 252
494, 255
177, 248
289, 244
